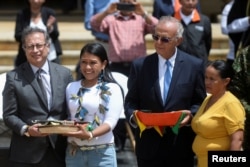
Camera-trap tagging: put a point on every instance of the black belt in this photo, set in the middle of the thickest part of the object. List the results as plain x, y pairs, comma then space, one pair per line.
124, 64
102, 40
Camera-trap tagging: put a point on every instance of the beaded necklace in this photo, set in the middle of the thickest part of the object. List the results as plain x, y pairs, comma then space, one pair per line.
82, 111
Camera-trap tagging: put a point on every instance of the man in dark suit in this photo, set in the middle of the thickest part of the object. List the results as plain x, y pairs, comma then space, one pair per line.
146, 93
24, 100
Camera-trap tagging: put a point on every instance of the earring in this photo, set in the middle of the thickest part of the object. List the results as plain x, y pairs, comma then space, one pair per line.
100, 77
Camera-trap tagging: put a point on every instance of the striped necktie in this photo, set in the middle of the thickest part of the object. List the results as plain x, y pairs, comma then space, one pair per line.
40, 82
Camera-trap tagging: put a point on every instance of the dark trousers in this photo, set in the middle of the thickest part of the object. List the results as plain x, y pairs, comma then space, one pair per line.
49, 160
120, 134
170, 150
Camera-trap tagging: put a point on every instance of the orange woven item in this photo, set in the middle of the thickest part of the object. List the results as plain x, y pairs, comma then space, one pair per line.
159, 119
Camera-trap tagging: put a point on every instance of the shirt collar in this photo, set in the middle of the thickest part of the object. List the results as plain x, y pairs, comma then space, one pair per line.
194, 17
119, 16
45, 67
162, 60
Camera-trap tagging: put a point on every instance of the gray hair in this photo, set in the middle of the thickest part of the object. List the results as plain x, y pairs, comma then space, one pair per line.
180, 29
29, 30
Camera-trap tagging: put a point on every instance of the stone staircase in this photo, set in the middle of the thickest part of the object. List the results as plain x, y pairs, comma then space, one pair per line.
73, 36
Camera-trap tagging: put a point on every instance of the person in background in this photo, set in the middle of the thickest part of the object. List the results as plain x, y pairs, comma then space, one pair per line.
240, 88
68, 5
93, 7
237, 27
219, 122
240, 9
24, 100
237, 11
127, 29
146, 92
96, 100
197, 36
37, 15
168, 7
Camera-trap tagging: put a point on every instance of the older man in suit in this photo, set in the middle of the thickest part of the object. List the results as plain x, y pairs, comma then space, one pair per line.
24, 100
147, 86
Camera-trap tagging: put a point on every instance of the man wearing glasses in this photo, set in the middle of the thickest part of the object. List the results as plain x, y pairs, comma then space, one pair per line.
167, 81
197, 35
35, 90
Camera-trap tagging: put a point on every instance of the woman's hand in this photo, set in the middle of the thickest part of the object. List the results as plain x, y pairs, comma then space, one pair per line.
82, 133
50, 23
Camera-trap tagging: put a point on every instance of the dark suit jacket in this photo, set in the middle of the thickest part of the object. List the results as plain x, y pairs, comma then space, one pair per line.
186, 92
163, 8
23, 20
23, 102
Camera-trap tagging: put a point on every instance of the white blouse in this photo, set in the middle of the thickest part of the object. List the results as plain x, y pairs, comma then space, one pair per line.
91, 101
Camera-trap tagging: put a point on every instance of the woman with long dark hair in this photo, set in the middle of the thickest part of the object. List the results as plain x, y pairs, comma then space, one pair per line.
97, 101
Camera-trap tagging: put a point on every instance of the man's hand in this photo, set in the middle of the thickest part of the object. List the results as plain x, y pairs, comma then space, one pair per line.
135, 121
187, 119
34, 131
139, 9
112, 8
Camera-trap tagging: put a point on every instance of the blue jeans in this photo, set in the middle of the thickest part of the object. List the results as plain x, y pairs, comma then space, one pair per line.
99, 157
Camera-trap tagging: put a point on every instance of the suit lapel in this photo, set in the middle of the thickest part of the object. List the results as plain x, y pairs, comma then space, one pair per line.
155, 77
27, 72
54, 81
176, 73
158, 91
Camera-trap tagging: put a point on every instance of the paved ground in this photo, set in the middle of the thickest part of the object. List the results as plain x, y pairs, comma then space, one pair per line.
127, 157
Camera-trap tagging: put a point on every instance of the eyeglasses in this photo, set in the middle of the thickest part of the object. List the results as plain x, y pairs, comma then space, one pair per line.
162, 39
38, 46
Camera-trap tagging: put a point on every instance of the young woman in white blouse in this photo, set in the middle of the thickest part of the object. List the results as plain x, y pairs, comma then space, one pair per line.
96, 101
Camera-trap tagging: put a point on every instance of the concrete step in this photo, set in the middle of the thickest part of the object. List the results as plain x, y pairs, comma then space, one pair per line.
71, 57
5, 68
73, 36
76, 43
79, 42
76, 15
